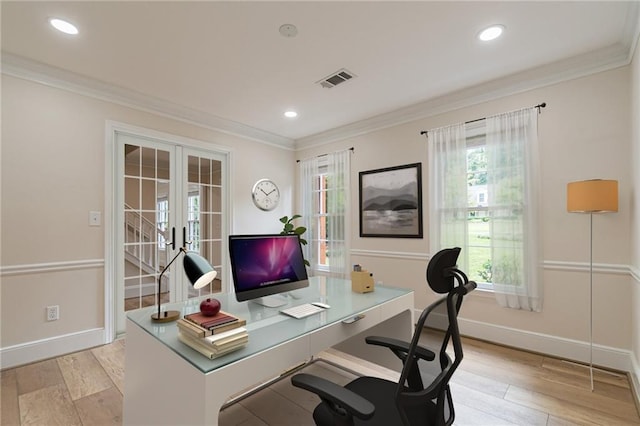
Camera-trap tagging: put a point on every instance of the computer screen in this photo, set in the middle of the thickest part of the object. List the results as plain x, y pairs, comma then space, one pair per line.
264, 265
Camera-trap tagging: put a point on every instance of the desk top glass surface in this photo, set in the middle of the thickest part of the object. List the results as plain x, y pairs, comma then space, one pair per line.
267, 327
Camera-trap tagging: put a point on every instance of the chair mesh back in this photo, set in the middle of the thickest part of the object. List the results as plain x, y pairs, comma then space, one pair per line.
439, 276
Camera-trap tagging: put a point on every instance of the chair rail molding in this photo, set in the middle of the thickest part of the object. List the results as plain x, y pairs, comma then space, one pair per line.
391, 254
40, 268
556, 265
635, 273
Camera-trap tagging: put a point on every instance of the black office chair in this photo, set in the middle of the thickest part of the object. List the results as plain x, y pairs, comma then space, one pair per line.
374, 401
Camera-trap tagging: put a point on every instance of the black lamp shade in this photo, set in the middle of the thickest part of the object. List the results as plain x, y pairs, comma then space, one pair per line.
198, 270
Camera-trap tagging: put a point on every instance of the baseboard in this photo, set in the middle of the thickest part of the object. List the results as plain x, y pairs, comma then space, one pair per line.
143, 290
575, 350
634, 375
39, 350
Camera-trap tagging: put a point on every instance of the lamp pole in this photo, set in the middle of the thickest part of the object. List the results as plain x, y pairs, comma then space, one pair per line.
591, 298
166, 316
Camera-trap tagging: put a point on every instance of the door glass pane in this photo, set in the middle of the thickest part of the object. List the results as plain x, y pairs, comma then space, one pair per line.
204, 209
146, 215
148, 162
163, 165
131, 160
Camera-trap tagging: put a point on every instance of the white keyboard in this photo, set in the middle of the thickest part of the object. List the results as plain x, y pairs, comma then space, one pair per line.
302, 311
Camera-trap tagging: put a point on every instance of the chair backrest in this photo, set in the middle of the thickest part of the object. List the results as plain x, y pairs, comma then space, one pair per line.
414, 393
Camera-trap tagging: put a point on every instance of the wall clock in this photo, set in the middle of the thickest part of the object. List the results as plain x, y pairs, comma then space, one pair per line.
265, 194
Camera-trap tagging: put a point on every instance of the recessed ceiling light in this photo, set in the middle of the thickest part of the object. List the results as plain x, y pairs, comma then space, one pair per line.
63, 26
290, 114
491, 33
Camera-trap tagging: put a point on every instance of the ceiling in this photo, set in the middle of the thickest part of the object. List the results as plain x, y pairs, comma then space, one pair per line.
225, 64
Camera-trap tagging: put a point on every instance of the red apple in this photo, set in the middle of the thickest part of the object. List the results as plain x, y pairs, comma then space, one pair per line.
210, 307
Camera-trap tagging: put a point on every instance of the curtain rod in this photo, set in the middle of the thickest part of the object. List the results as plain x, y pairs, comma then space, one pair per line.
539, 106
323, 155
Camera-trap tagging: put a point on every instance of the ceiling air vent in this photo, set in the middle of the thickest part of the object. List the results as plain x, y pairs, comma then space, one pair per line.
336, 78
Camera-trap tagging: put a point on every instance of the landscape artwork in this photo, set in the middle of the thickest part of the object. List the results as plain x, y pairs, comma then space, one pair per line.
391, 202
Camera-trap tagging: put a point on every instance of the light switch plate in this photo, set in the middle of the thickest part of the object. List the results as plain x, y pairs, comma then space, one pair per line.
95, 218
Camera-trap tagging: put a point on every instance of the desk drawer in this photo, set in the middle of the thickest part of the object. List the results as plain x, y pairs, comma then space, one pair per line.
335, 333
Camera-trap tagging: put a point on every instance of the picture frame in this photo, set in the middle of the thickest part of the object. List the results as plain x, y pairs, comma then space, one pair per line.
390, 202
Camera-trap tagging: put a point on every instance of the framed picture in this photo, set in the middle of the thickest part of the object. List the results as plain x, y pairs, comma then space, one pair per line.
391, 202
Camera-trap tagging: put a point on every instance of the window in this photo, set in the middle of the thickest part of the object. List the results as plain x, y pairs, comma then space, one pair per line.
322, 231
483, 198
325, 200
478, 227
162, 221
320, 240
193, 221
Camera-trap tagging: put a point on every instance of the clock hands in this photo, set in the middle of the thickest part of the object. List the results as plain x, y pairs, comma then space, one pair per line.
267, 193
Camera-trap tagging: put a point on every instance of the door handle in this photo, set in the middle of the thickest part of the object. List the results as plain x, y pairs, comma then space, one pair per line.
173, 238
184, 237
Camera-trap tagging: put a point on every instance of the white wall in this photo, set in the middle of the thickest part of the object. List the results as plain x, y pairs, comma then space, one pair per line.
53, 174
584, 133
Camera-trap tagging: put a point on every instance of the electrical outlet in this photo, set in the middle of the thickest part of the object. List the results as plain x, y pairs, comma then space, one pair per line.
53, 313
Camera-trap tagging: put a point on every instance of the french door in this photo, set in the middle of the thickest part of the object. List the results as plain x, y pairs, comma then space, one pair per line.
168, 196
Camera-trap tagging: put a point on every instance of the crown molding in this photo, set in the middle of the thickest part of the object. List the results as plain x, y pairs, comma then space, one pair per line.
27, 69
608, 58
605, 59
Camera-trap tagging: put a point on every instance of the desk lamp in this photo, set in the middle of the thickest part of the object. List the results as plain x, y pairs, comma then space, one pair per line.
199, 272
592, 196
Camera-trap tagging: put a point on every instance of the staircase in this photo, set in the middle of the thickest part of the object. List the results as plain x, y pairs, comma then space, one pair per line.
141, 241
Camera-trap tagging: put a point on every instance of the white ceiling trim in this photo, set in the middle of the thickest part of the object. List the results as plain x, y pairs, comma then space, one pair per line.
579, 66
19, 67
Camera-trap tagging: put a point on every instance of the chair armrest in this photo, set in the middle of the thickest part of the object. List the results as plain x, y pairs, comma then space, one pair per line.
335, 395
400, 346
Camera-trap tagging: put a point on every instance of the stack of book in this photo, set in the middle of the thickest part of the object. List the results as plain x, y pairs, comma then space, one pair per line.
213, 336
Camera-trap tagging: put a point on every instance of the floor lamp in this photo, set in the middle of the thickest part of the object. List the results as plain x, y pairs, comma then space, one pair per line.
592, 196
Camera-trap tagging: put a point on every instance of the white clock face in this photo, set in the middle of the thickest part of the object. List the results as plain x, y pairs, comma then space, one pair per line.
266, 194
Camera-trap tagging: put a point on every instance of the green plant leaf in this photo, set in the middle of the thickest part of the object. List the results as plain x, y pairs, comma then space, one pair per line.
295, 216
284, 219
300, 230
303, 241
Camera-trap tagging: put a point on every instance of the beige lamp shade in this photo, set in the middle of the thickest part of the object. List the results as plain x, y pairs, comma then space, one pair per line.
592, 196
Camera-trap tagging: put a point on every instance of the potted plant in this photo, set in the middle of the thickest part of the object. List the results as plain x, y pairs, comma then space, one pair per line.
290, 228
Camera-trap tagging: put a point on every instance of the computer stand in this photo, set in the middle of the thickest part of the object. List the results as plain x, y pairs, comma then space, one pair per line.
276, 300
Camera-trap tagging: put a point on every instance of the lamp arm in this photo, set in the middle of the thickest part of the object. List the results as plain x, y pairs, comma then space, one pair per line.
182, 250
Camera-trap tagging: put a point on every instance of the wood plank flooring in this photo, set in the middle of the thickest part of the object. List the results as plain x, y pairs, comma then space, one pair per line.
494, 386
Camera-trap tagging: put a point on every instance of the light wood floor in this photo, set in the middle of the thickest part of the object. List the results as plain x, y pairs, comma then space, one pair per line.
493, 386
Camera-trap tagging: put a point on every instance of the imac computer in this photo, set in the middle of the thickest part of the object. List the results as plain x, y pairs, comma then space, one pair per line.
266, 266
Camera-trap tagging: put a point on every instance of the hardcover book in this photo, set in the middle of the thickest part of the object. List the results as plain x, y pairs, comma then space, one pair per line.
206, 349
193, 329
207, 322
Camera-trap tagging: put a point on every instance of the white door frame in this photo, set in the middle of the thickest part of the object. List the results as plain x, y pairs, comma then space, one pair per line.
111, 223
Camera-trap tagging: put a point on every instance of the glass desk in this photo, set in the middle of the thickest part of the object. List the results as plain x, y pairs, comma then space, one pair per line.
167, 382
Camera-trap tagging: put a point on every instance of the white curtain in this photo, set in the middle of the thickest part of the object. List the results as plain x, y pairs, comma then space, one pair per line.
325, 203
309, 201
512, 186
512, 201
447, 151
